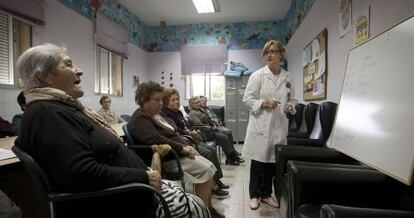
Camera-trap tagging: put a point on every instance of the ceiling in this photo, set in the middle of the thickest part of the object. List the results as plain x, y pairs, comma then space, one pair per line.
180, 12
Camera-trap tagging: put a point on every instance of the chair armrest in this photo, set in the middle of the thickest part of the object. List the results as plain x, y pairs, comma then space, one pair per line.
60, 197
190, 140
351, 185
336, 211
306, 141
207, 130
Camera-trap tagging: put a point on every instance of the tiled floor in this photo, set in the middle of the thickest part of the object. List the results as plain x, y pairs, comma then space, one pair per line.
237, 205
7, 210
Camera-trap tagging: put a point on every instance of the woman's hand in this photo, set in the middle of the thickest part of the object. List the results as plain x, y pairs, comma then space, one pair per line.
288, 108
269, 104
154, 179
196, 135
190, 152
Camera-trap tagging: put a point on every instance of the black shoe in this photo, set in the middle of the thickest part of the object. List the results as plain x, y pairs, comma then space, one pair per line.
221, 185
220, 194
232, 162
241, 160
215, 214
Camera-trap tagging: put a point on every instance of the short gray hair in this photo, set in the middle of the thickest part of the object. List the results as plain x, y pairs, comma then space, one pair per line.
191, 101
38, 60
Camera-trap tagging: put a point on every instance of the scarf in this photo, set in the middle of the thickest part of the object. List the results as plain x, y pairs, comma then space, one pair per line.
52, 94
159, 152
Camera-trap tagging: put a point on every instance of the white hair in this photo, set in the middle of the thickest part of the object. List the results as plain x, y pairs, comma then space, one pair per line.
39, 60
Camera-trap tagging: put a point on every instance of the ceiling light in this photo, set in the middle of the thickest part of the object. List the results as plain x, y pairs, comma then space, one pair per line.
204, 6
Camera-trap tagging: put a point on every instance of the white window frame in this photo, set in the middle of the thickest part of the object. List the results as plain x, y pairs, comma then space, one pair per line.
207, 82
13, 81
98, 74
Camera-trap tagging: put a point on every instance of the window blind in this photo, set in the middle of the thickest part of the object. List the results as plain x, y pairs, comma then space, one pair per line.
5, 75
111, 35
196, 59
31, 11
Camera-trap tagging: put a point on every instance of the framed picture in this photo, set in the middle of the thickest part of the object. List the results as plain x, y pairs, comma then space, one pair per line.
315, 68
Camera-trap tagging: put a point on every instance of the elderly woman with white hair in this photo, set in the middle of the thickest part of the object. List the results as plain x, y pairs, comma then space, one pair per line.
74, 145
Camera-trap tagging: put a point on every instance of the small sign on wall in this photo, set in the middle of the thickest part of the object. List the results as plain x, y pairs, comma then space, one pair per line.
361, 21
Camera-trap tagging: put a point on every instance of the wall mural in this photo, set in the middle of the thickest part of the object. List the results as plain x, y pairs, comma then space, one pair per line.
245, 35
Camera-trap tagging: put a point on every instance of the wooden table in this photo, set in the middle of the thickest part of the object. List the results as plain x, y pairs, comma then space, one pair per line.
7, 143
118, 128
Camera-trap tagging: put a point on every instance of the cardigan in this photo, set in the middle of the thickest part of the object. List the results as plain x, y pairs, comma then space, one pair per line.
146, 131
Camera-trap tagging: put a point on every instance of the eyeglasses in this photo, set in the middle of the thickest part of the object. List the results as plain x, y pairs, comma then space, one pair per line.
272, 52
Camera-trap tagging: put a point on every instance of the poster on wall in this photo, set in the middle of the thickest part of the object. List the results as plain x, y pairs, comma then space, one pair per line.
345, 17
361, 21
315, 68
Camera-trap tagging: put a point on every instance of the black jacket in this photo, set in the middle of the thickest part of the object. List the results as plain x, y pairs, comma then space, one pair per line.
78, 155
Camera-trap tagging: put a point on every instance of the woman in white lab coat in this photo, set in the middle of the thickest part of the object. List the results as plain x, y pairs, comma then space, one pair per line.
268, 95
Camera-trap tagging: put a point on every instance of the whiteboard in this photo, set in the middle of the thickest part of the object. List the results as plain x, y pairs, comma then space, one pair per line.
375, 118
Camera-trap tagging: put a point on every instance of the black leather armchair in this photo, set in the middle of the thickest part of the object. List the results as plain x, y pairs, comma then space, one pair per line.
50, 198
322, 126
303, 153
337, 211
295, 120
313, 184
308, 120
312, 150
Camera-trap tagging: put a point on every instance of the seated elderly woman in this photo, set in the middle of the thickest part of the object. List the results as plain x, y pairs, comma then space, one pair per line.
171, 109
106, 112
77, 149
198, 117
149, 126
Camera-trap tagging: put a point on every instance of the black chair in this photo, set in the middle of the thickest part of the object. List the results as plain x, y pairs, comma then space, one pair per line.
307, 122
313, 184
337, 211
295, 120
208, 132
219, 112
147, 150
312, 149
126, 117
50, 197
323, 123
285, 153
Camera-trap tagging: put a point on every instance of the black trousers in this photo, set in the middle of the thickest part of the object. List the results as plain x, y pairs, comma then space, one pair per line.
261, 178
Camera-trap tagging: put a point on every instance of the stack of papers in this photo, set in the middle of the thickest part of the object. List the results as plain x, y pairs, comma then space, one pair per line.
6, 154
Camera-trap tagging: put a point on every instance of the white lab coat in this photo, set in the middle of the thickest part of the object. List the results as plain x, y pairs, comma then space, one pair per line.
266, 127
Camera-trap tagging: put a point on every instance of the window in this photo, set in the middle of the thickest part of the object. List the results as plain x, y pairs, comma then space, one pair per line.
15, 38
108, 75
209, 85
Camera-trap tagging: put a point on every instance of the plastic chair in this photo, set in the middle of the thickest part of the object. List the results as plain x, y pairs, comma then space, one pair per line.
49, 197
